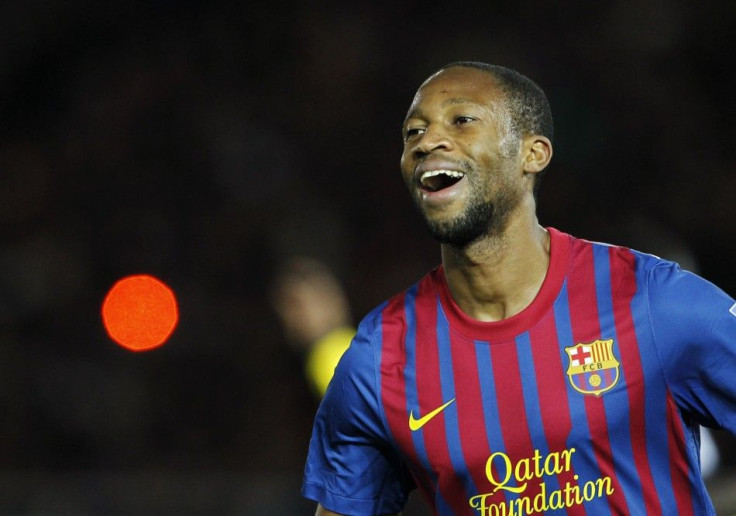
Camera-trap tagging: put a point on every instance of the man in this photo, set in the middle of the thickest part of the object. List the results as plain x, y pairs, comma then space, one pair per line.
532, 372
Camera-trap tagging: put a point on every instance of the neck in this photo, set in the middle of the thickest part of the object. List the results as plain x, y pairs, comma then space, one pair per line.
498, 276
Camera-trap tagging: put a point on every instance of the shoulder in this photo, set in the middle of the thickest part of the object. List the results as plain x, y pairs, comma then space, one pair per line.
623, 260
381, 332
679, 302
664, 289
685, 296
365, 347
652, 270
392, 312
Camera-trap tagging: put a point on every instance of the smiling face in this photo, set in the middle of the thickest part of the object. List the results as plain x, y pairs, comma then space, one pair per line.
461, 159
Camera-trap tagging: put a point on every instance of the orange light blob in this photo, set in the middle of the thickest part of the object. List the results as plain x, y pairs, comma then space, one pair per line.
140, 312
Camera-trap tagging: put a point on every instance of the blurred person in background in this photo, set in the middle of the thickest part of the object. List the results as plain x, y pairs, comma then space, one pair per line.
532, 371
314, 311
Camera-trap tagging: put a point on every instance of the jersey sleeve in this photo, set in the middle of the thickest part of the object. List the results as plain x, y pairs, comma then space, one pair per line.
351, 467
694, 323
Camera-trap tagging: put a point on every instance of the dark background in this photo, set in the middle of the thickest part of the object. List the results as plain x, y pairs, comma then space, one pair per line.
204, 142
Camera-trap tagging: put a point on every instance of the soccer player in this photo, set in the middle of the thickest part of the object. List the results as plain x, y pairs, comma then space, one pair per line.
532, 372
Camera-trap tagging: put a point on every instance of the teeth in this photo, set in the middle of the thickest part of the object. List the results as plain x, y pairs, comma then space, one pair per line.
433, 173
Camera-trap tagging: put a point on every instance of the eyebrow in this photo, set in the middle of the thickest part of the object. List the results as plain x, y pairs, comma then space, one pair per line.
456, 100
417, 113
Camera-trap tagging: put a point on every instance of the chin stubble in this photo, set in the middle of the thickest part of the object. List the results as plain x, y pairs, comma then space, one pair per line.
479, 219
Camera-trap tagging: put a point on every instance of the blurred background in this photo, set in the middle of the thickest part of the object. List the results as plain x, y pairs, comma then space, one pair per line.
208, 142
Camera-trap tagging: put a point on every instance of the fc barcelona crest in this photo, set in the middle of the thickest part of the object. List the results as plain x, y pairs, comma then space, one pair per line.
593, 368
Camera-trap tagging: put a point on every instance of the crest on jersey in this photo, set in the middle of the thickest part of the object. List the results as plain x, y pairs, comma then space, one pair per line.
592, 368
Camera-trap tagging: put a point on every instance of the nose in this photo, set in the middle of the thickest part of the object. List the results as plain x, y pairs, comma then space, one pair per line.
433, 139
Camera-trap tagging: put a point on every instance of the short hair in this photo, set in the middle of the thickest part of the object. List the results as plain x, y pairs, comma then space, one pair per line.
528, 105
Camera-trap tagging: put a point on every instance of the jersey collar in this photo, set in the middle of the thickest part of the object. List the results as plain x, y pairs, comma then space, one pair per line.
524, 320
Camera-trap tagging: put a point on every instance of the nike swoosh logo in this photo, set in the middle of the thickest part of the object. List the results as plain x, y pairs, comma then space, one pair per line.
416, 424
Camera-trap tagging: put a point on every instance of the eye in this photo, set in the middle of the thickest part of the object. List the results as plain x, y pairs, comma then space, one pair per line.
462, 119
412, 132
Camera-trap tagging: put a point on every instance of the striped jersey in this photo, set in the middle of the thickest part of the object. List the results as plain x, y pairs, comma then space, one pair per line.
586, 402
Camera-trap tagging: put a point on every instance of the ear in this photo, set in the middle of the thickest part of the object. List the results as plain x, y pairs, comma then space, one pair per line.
536, 153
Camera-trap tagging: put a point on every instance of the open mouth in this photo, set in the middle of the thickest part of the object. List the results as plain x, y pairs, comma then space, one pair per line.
436, 180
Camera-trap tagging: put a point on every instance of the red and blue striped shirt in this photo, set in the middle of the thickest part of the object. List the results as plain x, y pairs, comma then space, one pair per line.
586, 402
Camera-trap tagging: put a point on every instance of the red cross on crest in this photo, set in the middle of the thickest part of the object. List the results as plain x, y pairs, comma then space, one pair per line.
580, 355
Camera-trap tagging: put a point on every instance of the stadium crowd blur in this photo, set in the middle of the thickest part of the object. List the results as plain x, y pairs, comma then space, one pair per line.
206, 143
